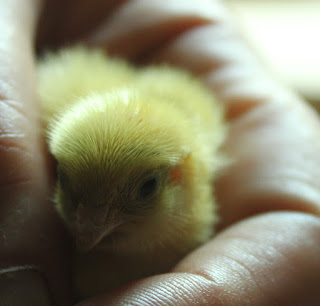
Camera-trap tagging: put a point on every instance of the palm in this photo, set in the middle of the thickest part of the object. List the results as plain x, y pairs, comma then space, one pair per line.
273, 141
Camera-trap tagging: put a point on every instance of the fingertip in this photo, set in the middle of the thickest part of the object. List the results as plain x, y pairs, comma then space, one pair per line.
266, 260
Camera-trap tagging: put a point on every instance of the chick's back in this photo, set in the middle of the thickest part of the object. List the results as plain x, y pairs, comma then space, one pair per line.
73, 73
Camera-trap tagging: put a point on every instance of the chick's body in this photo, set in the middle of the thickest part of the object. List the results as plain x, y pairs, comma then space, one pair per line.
136, 152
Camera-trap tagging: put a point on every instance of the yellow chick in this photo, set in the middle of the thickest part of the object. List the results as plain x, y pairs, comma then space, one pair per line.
137, 153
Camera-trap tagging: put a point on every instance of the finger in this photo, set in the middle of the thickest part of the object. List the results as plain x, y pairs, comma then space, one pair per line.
76, 20
30, 231
273, 140
139, 27
267, 260
276, 166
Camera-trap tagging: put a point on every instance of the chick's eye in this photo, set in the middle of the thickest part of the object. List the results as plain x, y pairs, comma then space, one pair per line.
148, 188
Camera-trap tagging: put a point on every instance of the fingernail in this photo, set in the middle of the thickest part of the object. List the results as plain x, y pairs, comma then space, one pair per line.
23, 285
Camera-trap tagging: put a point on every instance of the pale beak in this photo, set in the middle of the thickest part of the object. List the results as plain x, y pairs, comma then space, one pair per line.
93, 224
87, 239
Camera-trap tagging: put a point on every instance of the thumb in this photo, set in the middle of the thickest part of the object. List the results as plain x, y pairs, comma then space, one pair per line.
31, 259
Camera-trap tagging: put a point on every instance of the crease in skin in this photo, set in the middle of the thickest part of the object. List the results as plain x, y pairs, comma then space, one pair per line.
12, 113
155, 39
11, 136
198, 275
16, 159
153, 24
11, 139
244, 85
7, 88
219, 47
245, 95
14, 133
272, 193
225, 66
245, 272
179, 28
297, 196
218, 273
153, 13
15, 147
183, 51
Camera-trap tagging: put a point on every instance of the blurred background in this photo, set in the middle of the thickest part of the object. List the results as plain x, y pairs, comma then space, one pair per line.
286, 33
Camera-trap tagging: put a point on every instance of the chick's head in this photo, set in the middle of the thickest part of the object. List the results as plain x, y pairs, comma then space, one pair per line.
119, 160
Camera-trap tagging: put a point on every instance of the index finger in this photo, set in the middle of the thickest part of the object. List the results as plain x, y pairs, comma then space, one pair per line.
273, 139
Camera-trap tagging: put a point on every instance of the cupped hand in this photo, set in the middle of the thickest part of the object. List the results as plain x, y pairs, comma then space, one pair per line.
270, 258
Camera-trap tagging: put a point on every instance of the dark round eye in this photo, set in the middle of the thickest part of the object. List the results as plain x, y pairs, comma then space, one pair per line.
148, 188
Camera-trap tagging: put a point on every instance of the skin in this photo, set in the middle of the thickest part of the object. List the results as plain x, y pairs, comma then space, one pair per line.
267, 252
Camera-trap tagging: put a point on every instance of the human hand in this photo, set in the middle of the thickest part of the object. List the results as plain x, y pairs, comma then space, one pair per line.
273, 140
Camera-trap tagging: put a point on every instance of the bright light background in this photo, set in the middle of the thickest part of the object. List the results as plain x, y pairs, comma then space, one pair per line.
287, 34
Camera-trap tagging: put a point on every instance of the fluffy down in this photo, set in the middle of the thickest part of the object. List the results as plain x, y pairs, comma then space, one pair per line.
137, 154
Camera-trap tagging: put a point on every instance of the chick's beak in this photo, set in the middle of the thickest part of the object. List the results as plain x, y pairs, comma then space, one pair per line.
87, 239
92, 225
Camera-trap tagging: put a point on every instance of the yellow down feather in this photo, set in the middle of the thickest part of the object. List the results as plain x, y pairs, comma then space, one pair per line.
137, 153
